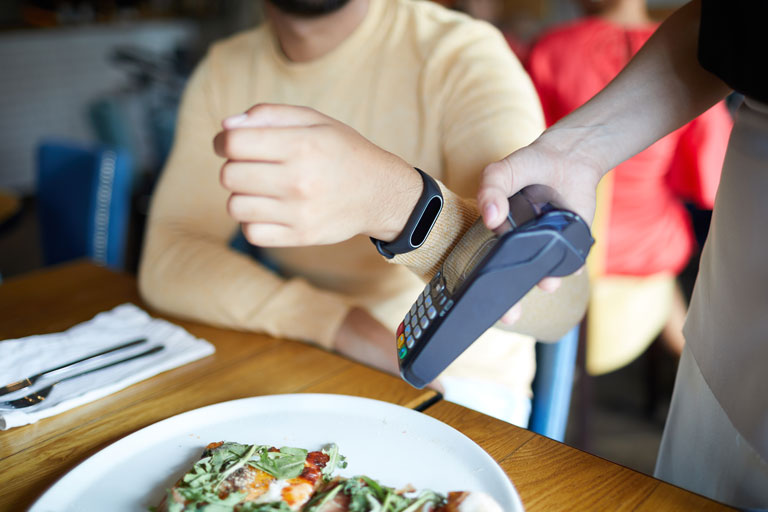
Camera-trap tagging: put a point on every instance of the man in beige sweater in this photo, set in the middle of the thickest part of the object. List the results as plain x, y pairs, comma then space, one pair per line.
435, 88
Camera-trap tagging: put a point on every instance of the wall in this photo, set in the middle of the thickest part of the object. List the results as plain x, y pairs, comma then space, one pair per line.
48, 78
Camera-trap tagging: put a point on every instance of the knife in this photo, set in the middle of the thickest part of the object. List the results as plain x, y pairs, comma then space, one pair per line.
25, 383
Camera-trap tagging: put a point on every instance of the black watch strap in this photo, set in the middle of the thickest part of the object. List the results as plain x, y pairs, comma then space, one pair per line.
420, 222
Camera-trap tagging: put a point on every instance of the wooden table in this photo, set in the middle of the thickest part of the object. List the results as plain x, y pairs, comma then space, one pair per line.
548, 475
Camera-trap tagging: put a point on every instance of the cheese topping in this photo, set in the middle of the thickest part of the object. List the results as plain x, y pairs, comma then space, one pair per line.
274, 492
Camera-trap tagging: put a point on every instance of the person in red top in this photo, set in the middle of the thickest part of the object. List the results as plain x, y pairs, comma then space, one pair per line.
645, 236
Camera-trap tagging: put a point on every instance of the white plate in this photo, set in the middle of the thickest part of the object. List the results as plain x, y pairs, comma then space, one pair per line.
390, 443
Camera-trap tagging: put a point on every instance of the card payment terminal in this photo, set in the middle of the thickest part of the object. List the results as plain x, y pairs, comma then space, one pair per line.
484, 275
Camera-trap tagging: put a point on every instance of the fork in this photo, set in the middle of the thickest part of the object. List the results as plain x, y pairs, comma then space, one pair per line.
40, 395
25, 383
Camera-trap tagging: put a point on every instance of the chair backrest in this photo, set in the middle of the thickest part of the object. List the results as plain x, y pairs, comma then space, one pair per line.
84, 198
553, 384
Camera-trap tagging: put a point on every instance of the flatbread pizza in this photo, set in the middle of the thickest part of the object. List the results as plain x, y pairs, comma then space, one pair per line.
234, 477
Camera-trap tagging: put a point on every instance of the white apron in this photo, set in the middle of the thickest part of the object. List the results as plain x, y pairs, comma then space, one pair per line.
715, 441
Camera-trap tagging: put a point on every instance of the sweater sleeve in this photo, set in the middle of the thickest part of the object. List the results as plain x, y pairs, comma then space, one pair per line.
188, 268
490, 110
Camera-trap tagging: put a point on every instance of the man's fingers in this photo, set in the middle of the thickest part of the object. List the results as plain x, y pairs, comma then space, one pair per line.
258, 144
266, 132
256, 178
257, 209
270, 235
267, 114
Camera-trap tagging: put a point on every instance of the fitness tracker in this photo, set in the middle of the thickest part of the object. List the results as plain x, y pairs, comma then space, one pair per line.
419, 223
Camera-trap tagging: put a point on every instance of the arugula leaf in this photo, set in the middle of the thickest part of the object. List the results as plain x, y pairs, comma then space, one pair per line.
336, 460
200, 486
368, 495
426, 497
283, 464
297, 452
378, 489
203, 499
226, 505
236, 463
264, 507
357, 491
320, 499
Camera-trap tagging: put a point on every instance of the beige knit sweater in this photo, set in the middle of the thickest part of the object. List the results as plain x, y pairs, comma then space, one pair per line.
436, 88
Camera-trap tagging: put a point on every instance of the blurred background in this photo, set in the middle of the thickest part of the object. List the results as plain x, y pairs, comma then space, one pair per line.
98, 82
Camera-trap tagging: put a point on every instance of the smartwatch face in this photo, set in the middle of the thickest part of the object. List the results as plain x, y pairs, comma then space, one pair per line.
427, 220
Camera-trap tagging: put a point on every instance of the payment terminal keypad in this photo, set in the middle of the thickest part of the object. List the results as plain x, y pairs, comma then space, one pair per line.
432, 303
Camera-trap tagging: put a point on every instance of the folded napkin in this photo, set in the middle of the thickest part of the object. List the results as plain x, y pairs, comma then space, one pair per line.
23, 357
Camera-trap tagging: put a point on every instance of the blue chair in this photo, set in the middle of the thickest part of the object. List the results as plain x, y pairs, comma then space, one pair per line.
84, 202
553, 384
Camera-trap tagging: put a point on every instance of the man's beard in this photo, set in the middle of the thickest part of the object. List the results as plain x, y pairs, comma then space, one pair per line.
308, 8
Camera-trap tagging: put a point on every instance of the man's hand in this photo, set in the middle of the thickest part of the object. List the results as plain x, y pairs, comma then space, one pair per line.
362, 338
299, 177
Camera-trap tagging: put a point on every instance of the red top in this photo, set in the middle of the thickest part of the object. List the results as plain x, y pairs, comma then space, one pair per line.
649, 229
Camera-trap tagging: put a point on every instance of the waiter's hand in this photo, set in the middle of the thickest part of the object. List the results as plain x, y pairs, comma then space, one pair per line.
574, 178
546, 161
299, 177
